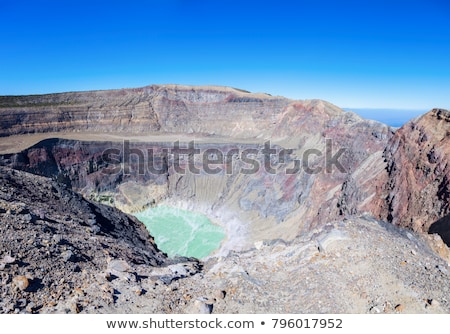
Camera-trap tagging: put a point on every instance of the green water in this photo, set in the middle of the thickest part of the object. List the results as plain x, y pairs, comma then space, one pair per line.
181, 232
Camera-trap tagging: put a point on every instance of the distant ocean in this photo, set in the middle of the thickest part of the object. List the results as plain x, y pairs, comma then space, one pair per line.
392, 117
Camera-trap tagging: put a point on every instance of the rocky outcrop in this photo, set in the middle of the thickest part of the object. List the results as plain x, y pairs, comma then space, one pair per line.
418, 190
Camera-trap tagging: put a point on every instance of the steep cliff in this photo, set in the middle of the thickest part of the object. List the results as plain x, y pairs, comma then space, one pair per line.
418, 190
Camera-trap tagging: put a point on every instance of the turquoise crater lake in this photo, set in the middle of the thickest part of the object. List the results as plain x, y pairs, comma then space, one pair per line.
181, 232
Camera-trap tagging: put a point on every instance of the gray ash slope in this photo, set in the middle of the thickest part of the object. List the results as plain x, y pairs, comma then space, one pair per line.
60, 252
356, 265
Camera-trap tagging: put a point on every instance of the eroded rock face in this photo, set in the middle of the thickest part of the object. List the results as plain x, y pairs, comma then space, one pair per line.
417, 192
169, 108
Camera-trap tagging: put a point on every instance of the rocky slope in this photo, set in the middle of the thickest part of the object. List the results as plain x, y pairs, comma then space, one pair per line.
356, 265
61, 253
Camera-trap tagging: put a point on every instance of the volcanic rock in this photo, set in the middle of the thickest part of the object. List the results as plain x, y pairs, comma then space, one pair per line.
417, 191
51, 265
20, 283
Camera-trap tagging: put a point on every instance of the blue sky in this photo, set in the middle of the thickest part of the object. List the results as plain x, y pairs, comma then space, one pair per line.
380, 54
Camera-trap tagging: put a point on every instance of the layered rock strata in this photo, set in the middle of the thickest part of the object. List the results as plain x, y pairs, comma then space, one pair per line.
169, 108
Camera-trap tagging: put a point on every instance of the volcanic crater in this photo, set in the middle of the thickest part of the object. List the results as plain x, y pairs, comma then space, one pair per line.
322, 210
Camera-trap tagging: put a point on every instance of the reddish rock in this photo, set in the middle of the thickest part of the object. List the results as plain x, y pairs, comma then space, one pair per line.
418, 188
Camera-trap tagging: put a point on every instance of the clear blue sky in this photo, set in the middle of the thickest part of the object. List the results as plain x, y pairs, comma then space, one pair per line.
375, 54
